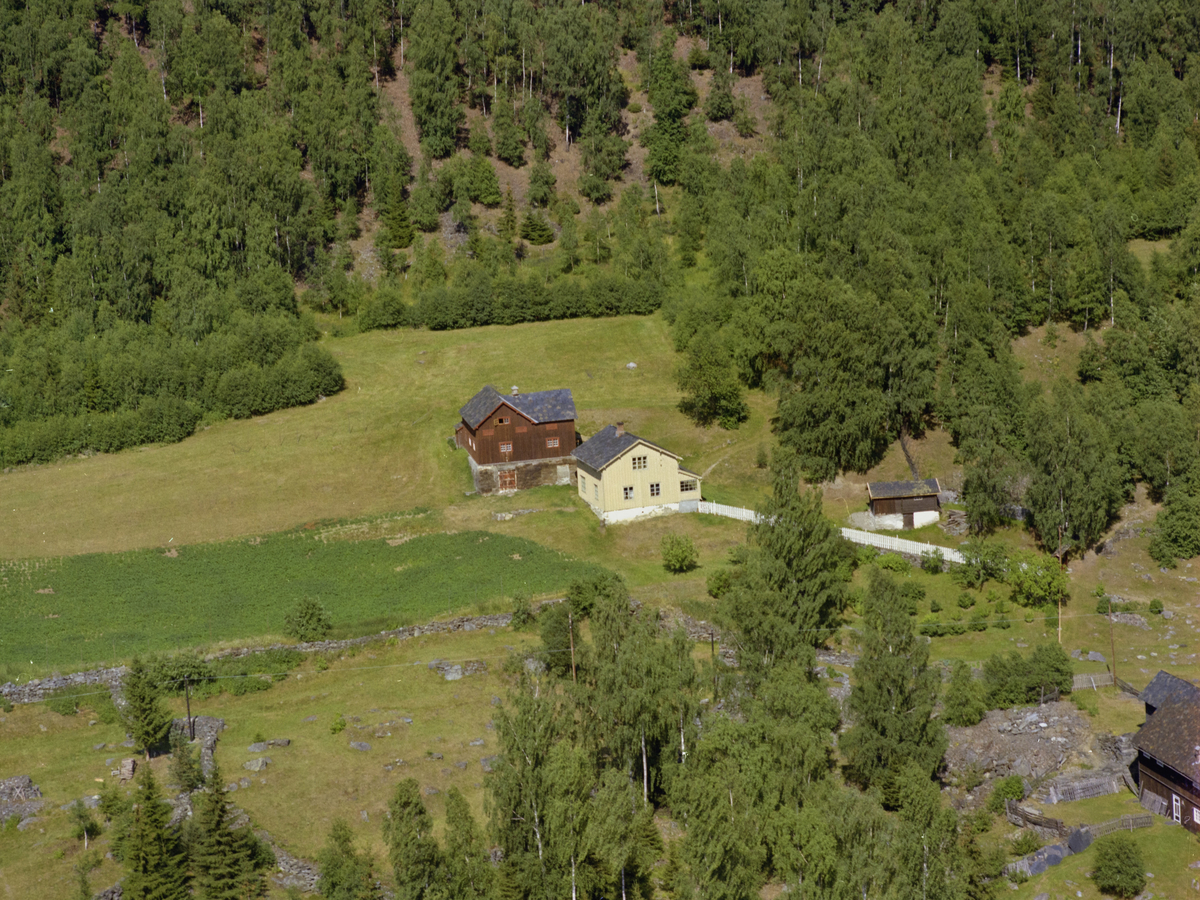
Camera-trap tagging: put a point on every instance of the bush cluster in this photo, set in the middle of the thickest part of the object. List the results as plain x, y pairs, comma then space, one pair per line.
508, 300
1014, 680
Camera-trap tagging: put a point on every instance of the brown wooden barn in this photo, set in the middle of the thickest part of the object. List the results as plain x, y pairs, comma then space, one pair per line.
900, 505
518, 440
1168, 763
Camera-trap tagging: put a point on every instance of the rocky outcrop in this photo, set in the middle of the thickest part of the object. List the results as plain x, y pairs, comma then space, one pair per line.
20, 799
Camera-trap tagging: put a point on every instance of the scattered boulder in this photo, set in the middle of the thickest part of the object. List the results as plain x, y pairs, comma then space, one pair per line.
487, 761
478, 742
359, 745
257, 765
455, 671
1093, 656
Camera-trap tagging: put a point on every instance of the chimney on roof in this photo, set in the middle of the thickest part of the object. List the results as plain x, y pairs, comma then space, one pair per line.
620, 428
515, 392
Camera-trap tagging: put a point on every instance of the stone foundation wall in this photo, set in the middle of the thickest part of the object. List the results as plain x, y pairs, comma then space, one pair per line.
533, 473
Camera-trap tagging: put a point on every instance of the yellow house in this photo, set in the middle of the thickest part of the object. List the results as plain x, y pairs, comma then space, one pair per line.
622, 477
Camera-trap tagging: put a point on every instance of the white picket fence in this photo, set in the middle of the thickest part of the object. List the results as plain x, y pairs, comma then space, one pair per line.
899, 545
729, 512
882, 541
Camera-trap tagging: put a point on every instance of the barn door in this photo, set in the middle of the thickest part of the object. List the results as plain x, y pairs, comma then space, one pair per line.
508, 479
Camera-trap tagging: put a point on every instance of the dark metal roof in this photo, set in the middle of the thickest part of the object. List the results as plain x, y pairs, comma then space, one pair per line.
540, 406
606, 445
1165, 687
878, 490
1172, 736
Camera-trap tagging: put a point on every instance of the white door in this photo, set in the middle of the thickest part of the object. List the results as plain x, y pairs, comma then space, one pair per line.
1176, 808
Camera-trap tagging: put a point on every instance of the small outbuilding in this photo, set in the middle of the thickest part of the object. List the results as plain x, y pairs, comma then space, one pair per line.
903, 505
623, 477
1168, 762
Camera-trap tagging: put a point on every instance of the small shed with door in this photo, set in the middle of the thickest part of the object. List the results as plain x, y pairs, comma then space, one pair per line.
1168, 762
902, 505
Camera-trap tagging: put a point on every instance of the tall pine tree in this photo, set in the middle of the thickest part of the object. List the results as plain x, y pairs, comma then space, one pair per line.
228, 863
469, 872
155, 864
793, 590
408, 832
893, 696
144, 715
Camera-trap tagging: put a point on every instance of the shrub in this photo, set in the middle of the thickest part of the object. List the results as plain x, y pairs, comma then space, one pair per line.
931, 626
1028, 842
173, 674
338, 725
978, 621
866, 554
1088, 702
965, 600
934, 606
1156, 606
1012, 680
893, 562
912, 594
718, 583
309, 621
678, 553
634, 107
1119, 868
932, 561
1010, 788
522, 614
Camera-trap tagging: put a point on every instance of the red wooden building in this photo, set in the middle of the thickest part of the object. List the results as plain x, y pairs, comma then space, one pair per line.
518, 440
1168, 763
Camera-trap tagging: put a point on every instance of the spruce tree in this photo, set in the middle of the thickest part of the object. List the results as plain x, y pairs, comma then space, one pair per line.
508, 218
793, 590
893, 696
185, 766
227, 862
408, 832
963, 704
536, 229
469, 871
144, 715
346, 874
508, 136
155, 864
395, 217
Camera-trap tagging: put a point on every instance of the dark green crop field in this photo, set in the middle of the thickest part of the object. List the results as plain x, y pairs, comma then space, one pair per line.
67, 613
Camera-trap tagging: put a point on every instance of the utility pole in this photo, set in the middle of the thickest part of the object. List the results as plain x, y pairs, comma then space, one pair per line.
1112, 643
187, 693
712, 646
571, 634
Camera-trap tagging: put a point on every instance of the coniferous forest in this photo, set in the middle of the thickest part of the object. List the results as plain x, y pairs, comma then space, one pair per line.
181, 184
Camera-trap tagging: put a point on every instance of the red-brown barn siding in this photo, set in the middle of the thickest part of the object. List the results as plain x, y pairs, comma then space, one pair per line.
528, 438
1167, 783
884, 506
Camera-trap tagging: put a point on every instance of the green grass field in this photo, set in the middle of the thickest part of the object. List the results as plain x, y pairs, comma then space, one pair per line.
74, 612
379, 446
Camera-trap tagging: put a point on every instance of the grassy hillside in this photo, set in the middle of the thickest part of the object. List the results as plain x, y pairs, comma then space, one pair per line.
379, 446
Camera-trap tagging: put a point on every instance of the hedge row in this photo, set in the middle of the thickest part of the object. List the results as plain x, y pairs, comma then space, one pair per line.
299, 377
482, 299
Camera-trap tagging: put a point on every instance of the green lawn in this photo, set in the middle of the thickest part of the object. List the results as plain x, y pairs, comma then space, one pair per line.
74, 612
